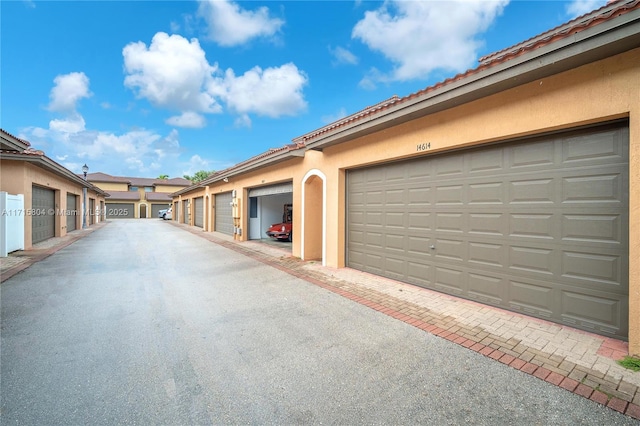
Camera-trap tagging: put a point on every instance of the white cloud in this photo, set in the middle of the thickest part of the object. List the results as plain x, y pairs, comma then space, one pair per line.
171, 73
272, 92
229, 25
195, 164
67, 91
580, 7
187, 119
343, 56
419, 37
74, 123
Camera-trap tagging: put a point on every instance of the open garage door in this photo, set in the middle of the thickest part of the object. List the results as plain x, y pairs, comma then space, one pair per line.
537, 226
224, 213
266, 204
43, 219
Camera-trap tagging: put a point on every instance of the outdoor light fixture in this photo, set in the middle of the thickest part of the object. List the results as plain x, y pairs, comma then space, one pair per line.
85, 169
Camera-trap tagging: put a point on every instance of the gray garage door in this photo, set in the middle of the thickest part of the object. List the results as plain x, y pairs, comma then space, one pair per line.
224, 212
43, 219
72, 212
198, 217
538, 226
120, 210
155, 208
187, 211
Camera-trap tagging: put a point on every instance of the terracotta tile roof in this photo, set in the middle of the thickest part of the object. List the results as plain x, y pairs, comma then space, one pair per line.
604, 14
124, 195
611, 10
15, 137
136, 181
157, 196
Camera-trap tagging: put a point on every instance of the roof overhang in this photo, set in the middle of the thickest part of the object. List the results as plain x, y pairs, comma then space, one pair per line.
46, 163
12, 143
242, 168
598, 42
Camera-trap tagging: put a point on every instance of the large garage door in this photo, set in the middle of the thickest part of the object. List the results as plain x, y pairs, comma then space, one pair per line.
538, 226
186, 209
224, 213
43, 219
120, 211
199, 212
155, 208
72, 212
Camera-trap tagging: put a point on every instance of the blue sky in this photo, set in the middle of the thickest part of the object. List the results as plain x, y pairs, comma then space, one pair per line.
144, 88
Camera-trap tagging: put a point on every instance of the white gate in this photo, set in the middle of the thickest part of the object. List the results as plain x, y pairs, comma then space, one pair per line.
11, 223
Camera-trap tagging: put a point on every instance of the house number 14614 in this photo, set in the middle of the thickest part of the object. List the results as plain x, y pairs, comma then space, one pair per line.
423, 146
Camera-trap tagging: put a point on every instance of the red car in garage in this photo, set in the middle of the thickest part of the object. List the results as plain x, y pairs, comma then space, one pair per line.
282, 231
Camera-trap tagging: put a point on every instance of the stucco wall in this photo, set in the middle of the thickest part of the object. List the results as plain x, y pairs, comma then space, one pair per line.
17, 177
597, 92
594, 93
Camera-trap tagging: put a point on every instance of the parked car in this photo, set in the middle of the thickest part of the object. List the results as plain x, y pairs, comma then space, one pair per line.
162, 212
168, 215
282, 231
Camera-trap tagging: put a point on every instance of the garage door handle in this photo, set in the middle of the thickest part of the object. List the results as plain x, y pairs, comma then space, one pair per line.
432, 247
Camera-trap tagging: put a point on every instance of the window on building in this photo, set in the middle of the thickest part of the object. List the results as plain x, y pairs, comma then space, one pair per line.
148, 189
133, 188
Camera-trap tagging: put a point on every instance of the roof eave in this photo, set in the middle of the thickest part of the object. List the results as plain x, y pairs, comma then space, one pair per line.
53, 167
601, 41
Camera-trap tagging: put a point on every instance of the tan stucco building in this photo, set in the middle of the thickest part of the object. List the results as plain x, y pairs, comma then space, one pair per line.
53, 195
135, 197
515, 184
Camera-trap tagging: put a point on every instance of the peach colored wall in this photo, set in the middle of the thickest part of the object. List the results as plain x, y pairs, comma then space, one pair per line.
594, 93
17, 177
168, 189
111, 186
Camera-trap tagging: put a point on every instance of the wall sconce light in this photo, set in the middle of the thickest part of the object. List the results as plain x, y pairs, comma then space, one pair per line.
225, 180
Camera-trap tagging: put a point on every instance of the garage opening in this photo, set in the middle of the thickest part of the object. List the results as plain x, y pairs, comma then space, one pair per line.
537, 226
270, 205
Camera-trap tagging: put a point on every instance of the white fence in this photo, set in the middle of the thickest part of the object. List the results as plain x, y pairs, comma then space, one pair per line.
11, 223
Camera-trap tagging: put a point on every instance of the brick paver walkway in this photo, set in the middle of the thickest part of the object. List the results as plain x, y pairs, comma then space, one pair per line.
580, 362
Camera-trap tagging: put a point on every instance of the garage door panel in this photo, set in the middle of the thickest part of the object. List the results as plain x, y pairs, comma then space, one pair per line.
532, 298
599, 148
514, 225
449, 281
534, 154
595, 228
487, 224
486, 288
592, 312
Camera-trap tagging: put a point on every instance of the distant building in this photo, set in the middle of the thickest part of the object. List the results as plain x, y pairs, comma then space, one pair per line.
135, 197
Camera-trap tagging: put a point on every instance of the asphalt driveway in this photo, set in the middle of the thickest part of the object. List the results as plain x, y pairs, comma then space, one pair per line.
141, 322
